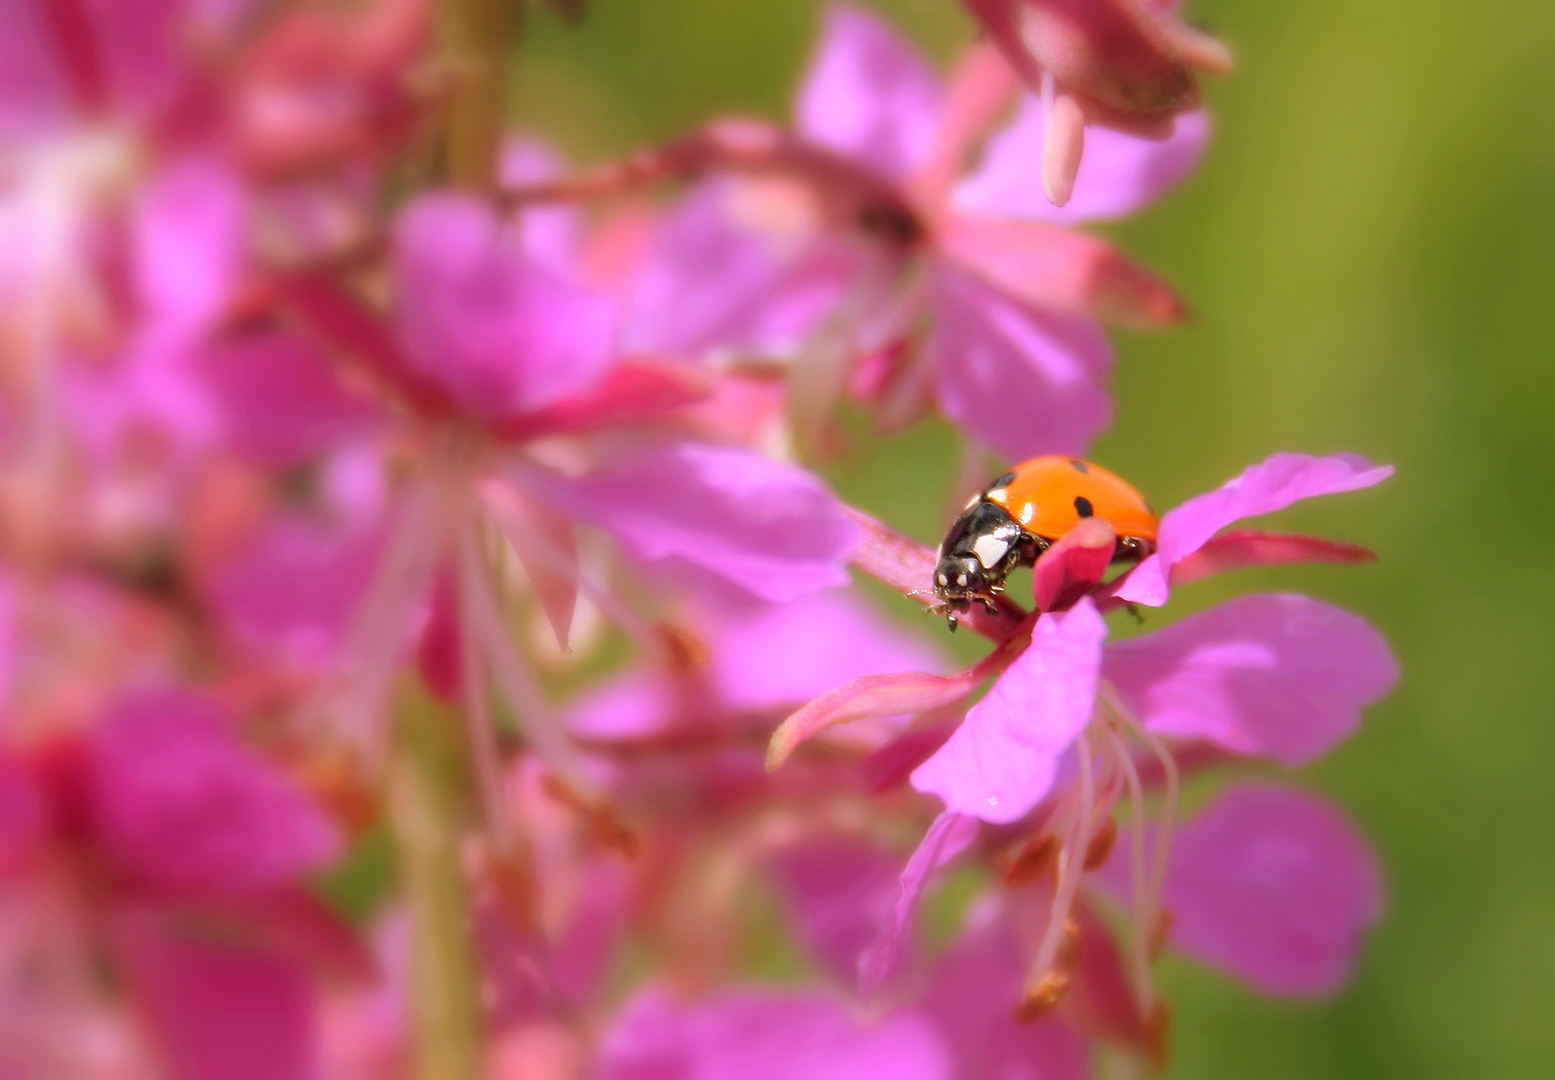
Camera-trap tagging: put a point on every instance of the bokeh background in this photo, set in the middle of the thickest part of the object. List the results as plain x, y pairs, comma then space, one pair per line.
1370, 253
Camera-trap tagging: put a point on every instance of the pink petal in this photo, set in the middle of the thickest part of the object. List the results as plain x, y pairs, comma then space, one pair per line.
1022, 381
631, 392
1244, 548
1273, 675
291, 592
948, 836
1058, 270
1074, 566
770, 528
221, 1009
1002, 759
497, 331
188, 236
737, 268
868, 93
35, 90
760, 1034
182, 805
24, 818
786, 654
1275, 886
1271, 485
1119, 175
278, 400
837, 891
972, 998
883, 695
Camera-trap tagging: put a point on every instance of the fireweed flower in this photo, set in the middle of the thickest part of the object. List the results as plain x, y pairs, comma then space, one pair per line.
154, 841
773, 263
1121, 64
526, 419
1055, 742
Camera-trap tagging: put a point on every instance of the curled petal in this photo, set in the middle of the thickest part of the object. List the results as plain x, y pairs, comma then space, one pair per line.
882, 695
948, 836
1119, 175
1002, 759
1074, 566
767, 527
1245, 548
868, 93
1271, 485
1058, 270
1275, 886
764, 1034
1273, 675
1025, 381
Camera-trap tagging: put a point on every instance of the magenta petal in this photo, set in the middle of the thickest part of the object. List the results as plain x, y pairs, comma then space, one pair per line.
759, 1034
1275, 886
1074, 566
1244, 548
1271, 485
837, 890
868, 93
1023, 381
1273, 675
1119, 175
278, 400
221, 1009
736, 270
786, 654
188, 229
182, 805
1001, 761
496, 330
948, 836
24, 818
770, 528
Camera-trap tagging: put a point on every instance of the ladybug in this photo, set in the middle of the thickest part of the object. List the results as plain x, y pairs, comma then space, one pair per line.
1020, 515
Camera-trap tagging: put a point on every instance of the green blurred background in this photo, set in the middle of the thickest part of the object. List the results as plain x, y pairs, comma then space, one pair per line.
1370, 251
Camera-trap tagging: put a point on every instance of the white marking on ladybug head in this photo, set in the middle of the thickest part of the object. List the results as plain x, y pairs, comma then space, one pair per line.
996, 495
989, 550
961, 580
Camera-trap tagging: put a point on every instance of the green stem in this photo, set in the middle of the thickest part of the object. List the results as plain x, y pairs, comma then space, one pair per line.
426, 813
476, 40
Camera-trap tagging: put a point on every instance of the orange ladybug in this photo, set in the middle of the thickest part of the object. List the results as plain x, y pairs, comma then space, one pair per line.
1020, 515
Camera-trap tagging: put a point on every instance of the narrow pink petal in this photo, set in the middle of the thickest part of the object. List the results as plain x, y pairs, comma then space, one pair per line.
1059, 270
1275, 886
1024, 382
1273, 675
1245, 548
632, 392
182, 805
1271, 485
868, 696
188, 225
221, 1009
546, 543
24, 818
1119, 175
868, 93
764, 1034
1001, 761
770, 528
1074, 566
980, 87
948, 836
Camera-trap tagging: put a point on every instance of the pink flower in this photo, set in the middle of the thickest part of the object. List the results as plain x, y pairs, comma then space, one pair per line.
1123, 64
1273, 675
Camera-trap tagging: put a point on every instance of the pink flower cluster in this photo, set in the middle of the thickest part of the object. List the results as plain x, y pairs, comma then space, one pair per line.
329, 468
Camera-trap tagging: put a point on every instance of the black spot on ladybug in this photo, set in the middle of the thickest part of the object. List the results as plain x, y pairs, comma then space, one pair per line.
1080, 466
1082, 506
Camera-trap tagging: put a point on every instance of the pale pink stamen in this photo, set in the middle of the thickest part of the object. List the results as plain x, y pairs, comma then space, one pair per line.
1063, 141
1169, 801
1143, 920
475, 698
1070, 869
